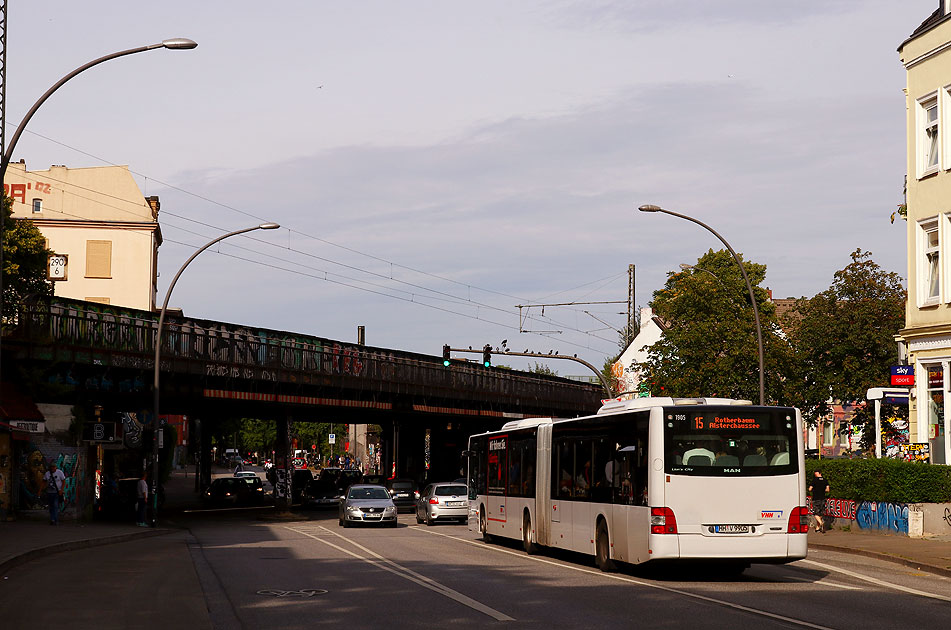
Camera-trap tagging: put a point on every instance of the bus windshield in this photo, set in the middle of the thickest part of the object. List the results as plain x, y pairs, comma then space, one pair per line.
730, 441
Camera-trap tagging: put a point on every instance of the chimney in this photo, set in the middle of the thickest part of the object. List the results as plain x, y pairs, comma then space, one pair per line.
155, 205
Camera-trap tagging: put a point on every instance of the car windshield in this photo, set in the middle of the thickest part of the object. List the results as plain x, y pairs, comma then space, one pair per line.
368, 493
450, 491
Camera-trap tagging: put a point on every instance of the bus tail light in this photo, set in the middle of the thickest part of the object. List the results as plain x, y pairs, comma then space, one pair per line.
663, 521
799, 520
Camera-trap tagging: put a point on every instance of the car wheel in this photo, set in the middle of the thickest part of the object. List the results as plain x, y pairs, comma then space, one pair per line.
419, 519
340, 521
393, 524
483, 524
603, 549
346, 522
527, 544
429, 520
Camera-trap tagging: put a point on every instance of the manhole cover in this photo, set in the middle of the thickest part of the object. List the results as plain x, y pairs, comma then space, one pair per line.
304, 592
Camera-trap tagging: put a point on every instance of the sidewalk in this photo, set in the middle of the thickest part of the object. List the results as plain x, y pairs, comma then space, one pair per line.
931, 555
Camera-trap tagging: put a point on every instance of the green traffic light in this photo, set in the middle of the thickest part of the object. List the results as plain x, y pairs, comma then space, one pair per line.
446, 362
487, 364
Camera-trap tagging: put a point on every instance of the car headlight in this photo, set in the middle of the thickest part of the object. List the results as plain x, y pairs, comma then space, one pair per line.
354, 510
389, 510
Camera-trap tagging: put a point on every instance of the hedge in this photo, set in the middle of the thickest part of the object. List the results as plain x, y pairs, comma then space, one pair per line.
889, 480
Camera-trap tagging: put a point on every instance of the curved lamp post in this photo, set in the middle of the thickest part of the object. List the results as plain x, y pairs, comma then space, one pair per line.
158, 352
178, 43
749, 287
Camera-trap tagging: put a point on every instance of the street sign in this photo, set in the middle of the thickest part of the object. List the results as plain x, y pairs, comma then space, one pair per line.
902, 375
332, 438
99, 432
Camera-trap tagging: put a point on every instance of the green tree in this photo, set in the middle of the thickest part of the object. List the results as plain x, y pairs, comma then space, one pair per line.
843, 338
709, 347
541, 368
24, 261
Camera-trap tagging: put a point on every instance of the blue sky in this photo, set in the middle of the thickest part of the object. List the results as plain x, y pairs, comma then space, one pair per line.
435, 164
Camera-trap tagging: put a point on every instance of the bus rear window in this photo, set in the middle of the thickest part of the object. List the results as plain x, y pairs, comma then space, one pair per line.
730, 441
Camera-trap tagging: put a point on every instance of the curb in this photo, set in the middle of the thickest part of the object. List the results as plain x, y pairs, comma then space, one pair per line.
927, 568
72, 545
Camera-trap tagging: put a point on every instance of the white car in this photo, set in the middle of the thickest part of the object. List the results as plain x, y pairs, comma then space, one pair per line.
245, 473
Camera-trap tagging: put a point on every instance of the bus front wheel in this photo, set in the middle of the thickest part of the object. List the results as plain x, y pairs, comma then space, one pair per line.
483, 525
603, 549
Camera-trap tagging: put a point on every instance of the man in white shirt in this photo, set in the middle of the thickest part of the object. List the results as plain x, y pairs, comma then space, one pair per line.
54, 480
141, 500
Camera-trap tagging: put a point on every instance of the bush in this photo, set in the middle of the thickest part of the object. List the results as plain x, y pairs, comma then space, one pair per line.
889, 480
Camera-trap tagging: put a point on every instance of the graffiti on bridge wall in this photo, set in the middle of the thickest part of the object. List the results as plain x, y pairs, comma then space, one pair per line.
870, 515
33, 462
882, 516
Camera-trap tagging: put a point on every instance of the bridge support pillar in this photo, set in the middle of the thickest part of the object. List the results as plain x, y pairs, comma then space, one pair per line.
203, 478
283, 468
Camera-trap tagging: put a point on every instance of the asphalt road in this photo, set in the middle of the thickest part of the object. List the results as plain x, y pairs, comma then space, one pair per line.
243, 569
310, 573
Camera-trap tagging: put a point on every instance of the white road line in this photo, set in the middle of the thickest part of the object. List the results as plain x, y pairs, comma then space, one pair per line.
859, 576
621, 578
824, 583
388, 565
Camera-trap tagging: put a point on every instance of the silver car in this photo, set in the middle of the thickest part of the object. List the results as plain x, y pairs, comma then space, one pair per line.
446, 501
367, 503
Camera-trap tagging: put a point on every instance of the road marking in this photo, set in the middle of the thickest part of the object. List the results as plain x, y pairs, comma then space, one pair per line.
621, 578
824, 583
388, 565
866, 578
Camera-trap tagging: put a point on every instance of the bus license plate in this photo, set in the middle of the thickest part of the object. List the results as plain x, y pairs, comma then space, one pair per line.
731, 529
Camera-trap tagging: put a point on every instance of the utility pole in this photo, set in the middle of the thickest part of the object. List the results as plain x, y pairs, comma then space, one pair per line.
631, 307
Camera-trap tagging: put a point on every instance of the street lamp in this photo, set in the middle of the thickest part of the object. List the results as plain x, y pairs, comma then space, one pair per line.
178, 43
749, 287
158, 351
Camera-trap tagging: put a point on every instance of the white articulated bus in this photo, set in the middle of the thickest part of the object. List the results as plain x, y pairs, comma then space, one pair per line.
648, 479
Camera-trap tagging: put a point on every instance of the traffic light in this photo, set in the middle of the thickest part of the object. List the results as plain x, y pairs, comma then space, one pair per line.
487, 355
445, 355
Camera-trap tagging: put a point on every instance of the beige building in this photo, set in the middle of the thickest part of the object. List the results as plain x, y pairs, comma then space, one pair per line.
926, 55
104, 233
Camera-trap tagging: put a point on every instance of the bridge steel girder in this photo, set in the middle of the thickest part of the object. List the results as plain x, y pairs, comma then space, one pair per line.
204, 359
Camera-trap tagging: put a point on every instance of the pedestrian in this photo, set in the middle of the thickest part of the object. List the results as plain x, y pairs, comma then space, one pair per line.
818, 488
141, 500
239, 467
55, 480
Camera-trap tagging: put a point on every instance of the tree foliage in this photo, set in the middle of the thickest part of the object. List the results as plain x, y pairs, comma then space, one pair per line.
709, 347
844, 338
24, 261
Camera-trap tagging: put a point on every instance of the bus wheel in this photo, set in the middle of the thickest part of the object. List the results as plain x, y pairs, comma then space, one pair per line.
603, 549
530, 547
483, 524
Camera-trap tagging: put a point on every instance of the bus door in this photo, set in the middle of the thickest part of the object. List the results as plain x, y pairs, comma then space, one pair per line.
497, 479
543, 504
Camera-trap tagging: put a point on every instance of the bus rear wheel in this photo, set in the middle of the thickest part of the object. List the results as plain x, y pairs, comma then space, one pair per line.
530, 547
483, 524
603, 549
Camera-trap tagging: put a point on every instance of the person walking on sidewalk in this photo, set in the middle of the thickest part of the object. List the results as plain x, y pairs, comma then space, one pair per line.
55, 480
818, 488
141, 500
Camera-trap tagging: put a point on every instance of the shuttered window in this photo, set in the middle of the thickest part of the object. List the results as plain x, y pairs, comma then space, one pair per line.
98, 259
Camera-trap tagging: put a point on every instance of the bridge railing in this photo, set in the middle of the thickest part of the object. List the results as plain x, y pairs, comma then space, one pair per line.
214, 348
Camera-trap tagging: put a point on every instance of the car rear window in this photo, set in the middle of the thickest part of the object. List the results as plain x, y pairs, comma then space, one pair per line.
450, 491
402, 485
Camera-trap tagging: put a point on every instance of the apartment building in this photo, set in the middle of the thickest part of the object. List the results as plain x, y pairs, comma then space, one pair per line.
926, 55
104, 233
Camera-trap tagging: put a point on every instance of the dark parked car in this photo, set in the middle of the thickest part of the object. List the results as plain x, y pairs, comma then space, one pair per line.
299, 482
404, 492
234, 491
329, 487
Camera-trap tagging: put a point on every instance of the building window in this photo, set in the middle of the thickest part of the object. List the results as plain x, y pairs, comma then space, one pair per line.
98, 259
37, 205
929, 139
929, 263
827, 433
